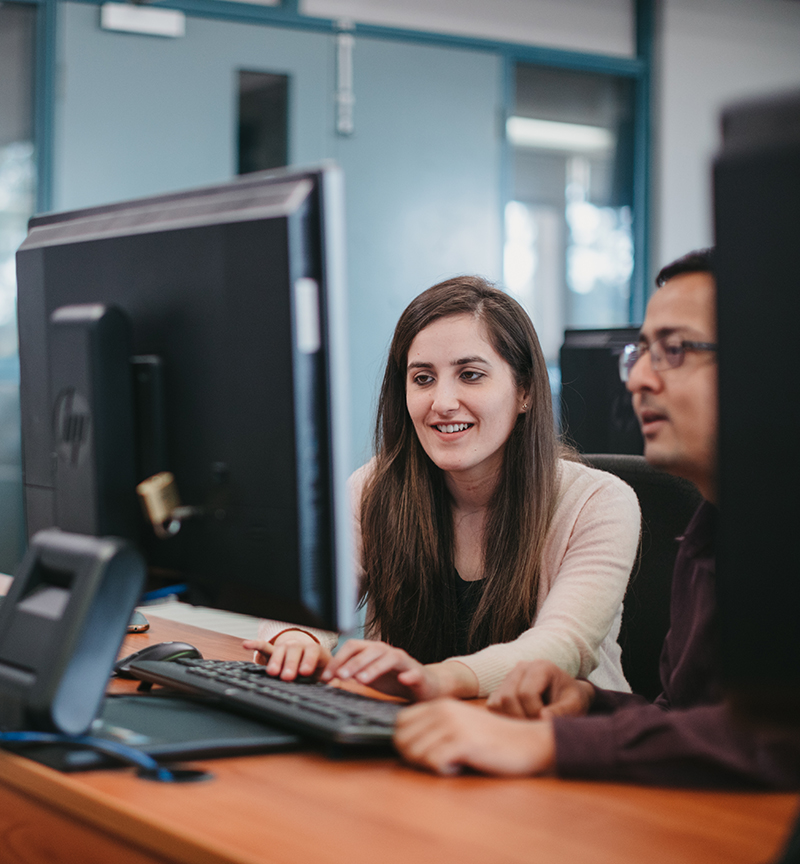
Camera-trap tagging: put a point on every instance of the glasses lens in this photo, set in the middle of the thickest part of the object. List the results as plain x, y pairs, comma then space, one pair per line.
672, 353
629, 356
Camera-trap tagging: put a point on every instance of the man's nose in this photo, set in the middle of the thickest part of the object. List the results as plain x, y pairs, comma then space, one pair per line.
642, 376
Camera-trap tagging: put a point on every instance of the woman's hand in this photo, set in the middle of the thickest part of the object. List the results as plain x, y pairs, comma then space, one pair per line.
289, 654
393, 671
540, 689
446, 736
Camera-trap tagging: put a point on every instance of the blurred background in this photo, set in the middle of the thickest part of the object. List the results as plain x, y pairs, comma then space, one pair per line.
558, 147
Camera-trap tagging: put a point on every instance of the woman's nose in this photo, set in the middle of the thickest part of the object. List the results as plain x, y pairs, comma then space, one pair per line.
445, 398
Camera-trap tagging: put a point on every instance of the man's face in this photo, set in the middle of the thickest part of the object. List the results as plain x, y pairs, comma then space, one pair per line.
677, 408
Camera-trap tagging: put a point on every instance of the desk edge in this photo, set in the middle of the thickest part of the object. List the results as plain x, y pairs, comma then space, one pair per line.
113, 816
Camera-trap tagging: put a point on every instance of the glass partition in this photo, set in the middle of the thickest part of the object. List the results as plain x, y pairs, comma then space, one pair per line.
568, 253
17, 196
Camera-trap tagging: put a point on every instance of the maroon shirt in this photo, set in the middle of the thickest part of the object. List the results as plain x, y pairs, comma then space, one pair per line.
687, 737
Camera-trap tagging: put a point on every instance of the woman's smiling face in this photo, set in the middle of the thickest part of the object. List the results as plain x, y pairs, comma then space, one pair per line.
462, 398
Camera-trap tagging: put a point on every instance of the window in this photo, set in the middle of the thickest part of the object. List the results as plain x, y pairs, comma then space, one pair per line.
568, 253
17, 190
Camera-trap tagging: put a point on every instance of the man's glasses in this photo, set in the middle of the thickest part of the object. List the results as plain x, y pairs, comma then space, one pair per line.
666, 353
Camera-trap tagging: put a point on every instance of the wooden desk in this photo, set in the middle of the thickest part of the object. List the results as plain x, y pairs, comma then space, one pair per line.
302, 808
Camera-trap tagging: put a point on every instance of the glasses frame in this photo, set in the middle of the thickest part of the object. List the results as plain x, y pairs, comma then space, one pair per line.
660, 358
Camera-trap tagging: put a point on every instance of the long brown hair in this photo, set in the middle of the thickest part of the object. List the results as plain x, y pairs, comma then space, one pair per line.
406, 515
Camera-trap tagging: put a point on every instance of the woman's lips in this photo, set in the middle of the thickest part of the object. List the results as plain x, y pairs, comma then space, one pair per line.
451, 428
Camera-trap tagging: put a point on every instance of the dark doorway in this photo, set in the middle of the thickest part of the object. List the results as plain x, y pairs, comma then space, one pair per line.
263, 121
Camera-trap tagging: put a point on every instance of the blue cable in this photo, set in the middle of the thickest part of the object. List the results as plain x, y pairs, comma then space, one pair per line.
159, 593
148, 767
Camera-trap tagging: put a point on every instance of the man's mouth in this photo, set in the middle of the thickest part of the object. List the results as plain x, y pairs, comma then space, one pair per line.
648, 416
449, 428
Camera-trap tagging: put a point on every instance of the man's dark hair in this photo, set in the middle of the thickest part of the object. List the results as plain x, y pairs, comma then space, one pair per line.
699, 261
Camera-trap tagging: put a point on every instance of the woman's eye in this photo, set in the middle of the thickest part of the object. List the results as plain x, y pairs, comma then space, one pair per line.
471, 375
422, 379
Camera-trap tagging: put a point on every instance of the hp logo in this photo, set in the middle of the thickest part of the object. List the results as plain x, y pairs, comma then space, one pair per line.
72, 423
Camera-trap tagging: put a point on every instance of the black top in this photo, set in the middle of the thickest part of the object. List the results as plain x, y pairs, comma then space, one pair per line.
468, 595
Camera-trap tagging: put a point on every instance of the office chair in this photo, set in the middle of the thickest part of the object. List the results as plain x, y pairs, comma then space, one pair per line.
667, 503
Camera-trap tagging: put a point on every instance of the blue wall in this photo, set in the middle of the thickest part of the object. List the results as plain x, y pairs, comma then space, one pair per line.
423, 190
137, 115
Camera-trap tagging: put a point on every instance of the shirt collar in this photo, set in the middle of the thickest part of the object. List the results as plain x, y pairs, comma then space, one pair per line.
700, 536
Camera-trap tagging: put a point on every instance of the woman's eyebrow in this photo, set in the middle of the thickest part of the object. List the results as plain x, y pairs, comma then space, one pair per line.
462, 361
466, 360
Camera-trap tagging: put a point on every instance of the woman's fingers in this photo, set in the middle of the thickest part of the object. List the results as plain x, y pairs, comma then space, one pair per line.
365, 661
393, 660
263, 648
314, 658
277, 660
289, 659
348, 650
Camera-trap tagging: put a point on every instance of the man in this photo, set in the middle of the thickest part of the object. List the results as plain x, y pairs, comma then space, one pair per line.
687, 737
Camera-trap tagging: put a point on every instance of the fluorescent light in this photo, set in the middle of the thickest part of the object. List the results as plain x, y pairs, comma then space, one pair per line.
549, 135
130, 18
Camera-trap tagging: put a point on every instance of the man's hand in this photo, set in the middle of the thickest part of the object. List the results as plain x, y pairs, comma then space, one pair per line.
393, 671
291, 653
446, 736
539, 689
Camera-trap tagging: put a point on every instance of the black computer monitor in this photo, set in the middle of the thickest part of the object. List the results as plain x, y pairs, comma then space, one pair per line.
596, 410
224, 309
757, 190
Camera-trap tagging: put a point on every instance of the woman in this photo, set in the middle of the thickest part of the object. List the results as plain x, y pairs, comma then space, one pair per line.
480, 547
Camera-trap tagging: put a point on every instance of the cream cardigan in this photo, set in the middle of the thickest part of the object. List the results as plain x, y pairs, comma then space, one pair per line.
586, 563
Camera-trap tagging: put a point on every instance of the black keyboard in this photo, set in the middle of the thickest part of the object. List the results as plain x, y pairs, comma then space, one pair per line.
309, 707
